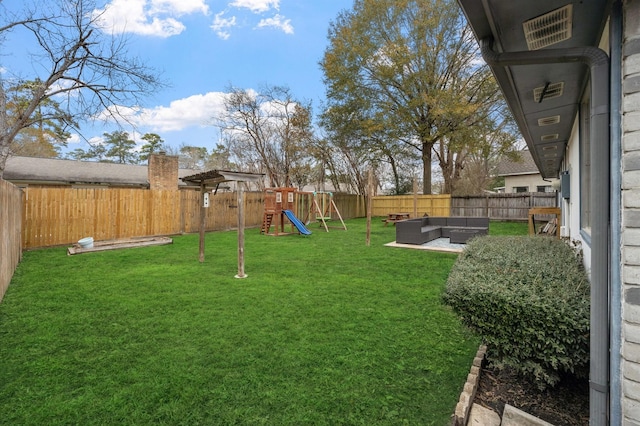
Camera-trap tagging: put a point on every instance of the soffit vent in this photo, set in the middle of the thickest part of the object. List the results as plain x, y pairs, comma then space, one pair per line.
548, 121
549, 148
551, 137
549, 29
554, 90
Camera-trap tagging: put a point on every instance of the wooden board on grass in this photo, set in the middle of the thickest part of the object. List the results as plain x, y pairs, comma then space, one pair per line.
120, 244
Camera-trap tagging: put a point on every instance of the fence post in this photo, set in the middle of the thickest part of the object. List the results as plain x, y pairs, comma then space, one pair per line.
415, 197
369, 205
486, 198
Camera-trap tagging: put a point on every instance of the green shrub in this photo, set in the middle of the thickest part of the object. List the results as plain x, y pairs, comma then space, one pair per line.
529, 299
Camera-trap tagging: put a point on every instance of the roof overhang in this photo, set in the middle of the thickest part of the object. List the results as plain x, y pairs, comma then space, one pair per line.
214, 177
544, 98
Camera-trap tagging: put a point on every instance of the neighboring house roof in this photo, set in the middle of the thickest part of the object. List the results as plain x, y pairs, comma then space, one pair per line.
526, 165
65, 172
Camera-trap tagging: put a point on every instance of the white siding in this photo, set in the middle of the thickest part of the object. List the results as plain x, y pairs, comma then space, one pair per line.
631, 214
532, 181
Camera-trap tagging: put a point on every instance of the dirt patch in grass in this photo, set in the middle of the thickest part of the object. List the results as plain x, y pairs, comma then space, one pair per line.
566, 404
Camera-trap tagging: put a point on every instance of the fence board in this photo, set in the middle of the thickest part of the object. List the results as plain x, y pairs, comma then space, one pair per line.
60, 216
10, 237
501, 206
350, 206
433, 205
55, 216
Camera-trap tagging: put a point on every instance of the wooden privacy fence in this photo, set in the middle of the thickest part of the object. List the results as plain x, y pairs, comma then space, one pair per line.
56, 216
59, 216
494, 206
350, 206
433, 205
502, 206
10, 226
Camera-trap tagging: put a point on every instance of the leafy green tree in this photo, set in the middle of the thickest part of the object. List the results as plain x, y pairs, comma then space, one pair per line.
120, 148
34, 142
362, 141
96, 151
154, 143
220, 159
472, 152
88, 70
46, 131
410, 67
192, 157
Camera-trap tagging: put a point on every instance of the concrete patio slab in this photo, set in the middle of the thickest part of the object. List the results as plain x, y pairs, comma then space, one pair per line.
440, 244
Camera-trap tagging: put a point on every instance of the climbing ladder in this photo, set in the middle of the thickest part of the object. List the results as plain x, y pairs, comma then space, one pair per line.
266, 223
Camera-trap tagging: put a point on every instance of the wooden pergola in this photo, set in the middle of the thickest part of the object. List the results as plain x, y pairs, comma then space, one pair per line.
213, 178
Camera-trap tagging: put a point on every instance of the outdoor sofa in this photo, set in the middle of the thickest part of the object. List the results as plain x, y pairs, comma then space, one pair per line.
425, 229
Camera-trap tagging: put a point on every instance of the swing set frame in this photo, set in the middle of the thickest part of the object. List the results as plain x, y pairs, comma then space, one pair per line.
325, 213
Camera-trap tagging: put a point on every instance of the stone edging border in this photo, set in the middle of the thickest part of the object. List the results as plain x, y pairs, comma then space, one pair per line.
461, 414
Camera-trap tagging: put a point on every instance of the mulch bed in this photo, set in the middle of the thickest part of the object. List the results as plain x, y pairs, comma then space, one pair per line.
566, 404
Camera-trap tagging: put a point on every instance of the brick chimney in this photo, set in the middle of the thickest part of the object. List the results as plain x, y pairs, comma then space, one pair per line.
163, 171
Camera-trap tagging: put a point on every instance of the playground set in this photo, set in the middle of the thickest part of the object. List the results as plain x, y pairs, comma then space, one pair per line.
283, 208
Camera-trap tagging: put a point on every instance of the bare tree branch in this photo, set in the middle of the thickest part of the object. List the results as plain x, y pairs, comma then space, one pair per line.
90, 70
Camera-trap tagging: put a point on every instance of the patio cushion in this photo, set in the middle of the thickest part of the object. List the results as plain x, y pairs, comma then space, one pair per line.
457, 221
480, 222
438, 221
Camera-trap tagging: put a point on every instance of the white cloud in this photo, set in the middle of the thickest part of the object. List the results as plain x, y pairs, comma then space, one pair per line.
196, 110
74, 139
147, 17
63, 89
256, 6
181, 7
279, 22
96, 140
220, 25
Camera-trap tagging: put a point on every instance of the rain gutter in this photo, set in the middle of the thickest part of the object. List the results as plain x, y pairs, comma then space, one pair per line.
598, 63
615, 43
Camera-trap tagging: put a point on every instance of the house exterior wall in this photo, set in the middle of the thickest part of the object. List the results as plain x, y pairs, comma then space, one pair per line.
630, 256
532, 181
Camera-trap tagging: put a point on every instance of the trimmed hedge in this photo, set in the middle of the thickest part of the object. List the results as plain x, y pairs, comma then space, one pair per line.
529, 299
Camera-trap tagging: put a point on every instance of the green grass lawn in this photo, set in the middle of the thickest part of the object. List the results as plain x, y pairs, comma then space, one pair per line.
508, 228
324, 330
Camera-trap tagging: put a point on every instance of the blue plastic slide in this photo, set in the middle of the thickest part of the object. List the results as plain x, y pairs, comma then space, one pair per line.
296, 222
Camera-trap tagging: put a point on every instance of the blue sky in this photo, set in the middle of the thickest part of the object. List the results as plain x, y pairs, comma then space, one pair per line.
201, 47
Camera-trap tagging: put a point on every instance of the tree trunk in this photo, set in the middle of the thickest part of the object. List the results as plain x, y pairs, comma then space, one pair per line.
426, 168
396, 176
444, 159
4, 140
4, 154
457, 172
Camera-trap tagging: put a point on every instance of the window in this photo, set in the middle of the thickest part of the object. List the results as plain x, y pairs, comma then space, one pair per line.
520, 189
585, 166
544, 188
